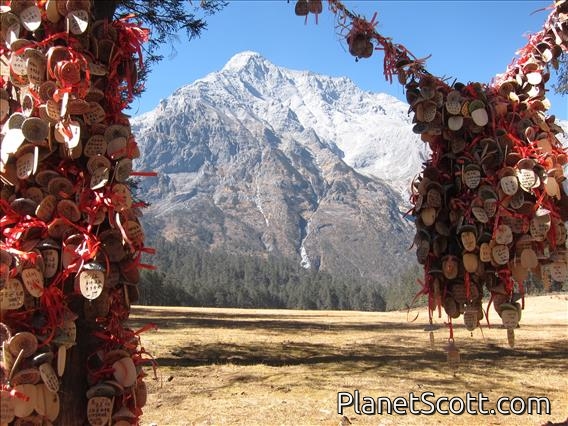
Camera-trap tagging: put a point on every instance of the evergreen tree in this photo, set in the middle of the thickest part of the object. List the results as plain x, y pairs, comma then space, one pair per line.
164, 18
188, 275
562, 73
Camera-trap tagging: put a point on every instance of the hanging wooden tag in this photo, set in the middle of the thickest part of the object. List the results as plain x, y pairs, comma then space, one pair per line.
49, 377
96, 145
99, 410
12, 295
33, 281
91, 282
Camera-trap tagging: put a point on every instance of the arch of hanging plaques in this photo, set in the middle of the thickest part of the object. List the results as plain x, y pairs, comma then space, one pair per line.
489, 204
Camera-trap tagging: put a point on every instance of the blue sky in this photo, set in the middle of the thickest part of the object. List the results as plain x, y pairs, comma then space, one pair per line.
467, 40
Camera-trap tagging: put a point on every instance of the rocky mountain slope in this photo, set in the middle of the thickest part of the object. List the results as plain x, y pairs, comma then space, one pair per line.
263, 160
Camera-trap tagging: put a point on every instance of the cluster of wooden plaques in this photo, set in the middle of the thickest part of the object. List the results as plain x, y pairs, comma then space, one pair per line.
491, 202
71, 238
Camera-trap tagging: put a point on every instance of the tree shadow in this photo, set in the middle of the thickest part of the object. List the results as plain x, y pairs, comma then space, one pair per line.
554, 354
290, 352
486, 369
398, 358
246, 321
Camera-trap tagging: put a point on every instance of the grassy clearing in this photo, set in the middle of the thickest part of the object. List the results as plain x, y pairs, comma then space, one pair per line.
274, 367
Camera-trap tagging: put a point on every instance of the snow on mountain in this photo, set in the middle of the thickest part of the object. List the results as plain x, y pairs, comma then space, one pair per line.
260, 159
256, 159
370, 131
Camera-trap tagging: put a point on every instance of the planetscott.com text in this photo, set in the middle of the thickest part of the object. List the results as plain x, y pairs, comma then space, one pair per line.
427, 403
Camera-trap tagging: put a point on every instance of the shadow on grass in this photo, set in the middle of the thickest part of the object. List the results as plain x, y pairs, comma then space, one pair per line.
287, 354
269, 322
394, 357
304, 353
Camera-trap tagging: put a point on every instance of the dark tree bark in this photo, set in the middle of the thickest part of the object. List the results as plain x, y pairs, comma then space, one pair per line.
104, 9
73, 397
164, 18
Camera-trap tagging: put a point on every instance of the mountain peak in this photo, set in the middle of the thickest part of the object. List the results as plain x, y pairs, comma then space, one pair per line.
242, 59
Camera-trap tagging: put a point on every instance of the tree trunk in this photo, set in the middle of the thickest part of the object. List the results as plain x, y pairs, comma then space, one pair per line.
74, 385
74, 382
104, 9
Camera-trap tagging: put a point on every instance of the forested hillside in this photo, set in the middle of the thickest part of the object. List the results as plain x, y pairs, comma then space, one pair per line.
190, 276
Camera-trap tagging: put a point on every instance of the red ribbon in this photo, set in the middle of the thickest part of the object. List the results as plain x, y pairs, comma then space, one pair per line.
14, 393
53, 304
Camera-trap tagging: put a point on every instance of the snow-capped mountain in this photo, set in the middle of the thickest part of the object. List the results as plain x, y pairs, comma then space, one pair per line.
371, 132
263, 160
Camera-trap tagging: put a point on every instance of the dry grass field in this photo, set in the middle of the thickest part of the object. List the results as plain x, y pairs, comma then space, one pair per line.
276, 367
